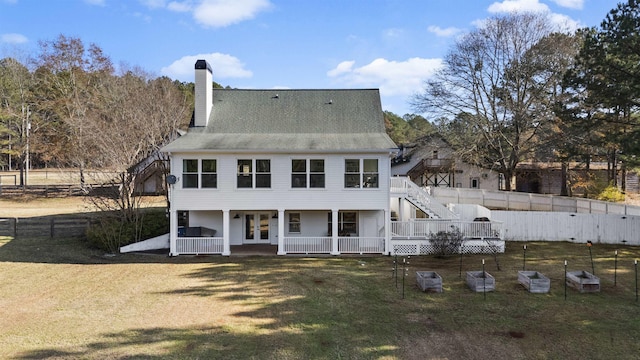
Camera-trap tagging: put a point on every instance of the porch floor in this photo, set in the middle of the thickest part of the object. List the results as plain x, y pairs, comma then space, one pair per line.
254, 250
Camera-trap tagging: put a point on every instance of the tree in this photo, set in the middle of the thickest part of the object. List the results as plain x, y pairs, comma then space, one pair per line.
492, 94
605, 83
69, 76
16, 103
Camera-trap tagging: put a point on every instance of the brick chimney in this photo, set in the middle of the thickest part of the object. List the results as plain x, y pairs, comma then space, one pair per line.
204, 93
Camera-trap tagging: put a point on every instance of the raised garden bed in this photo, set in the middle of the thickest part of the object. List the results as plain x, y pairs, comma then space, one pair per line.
429, 281
534, 281
480, 281
583, 281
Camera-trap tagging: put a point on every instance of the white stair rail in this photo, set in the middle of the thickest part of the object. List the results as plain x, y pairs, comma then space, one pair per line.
420, 198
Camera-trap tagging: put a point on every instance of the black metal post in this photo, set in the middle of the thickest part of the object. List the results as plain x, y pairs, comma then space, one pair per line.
524, 257
589, 244
484, 282
460, 271
615, 268
635, 262
395, 269
565, 279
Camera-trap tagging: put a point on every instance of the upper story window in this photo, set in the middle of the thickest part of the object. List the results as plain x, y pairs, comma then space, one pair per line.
209, 174
189, 173
361, 173
307, 173
199, 173
247, 177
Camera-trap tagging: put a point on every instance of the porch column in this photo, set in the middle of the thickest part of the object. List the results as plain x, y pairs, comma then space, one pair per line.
173, 231
226, 233
387, 232
281, 232
334, 232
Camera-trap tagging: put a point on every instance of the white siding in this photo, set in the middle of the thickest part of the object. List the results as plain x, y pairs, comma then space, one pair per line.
280, 195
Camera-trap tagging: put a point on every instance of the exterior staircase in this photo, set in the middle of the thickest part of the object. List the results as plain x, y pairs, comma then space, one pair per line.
420, 198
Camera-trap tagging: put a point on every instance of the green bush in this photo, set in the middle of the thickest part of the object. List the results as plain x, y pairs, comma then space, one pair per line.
109, 232
611, 193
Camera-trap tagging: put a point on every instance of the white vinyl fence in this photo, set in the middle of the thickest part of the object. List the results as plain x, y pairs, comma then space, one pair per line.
574, 227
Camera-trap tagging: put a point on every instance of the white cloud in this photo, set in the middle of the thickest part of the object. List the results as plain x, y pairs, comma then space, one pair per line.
391, 77
562, 22
572, 4
221, 13
508, 6
223, 65
179, 6
13, 39
153, 4
447, 32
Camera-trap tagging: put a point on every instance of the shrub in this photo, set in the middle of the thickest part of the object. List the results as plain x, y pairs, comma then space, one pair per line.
611, 193
109, 232
446, 242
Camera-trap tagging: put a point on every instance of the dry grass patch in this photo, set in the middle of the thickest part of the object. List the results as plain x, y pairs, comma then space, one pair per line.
61, 300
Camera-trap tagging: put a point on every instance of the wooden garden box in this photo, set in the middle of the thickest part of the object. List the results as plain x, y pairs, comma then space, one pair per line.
479, 283
534, 281
429, 281
583, 281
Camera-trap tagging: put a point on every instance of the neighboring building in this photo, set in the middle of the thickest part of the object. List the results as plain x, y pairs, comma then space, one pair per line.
306, 170
431, 162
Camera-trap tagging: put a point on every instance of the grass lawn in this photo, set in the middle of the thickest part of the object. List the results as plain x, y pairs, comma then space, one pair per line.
61, 300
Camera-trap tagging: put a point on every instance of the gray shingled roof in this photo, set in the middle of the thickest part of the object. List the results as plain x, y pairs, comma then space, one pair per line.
290, 120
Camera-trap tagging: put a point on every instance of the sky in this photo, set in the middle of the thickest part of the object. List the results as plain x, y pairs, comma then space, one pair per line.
391, 45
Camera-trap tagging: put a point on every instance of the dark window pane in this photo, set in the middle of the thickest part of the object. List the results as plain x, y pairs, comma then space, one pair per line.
209, 180
189, 166
352, 165
244, 167
263, 180
245, 181
298, 180
317, 166
189, 181
371, 181
352, 181
263, 166
298, 166
209, 166
370, 165
316, 180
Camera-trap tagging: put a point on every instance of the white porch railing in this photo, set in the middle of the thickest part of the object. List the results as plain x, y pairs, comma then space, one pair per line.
307, 245
323, 244
199, 245
361, 245
423, 228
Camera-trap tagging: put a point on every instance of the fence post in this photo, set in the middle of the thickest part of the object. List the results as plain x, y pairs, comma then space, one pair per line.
15, 228
52, 227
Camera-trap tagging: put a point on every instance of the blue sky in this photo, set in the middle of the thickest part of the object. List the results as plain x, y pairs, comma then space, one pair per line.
393, 45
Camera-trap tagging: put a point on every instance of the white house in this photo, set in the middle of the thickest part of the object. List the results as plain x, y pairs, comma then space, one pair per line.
306, 170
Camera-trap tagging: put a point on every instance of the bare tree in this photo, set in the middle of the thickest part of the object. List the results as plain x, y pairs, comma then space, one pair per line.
492, 95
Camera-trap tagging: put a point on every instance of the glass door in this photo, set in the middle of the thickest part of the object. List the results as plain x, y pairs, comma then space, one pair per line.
256, 228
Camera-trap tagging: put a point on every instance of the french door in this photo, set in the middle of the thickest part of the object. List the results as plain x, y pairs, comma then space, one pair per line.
256, 228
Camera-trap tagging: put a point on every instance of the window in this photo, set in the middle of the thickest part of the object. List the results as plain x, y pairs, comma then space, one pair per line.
352, 173
347, 223
316, 173
263, 173
189, 173
245, 176
368, 177
475, 183
294, 222
301, 178
298, 173
209, 174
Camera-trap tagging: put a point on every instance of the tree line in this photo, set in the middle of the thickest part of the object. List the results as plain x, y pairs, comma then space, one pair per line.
520, 88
